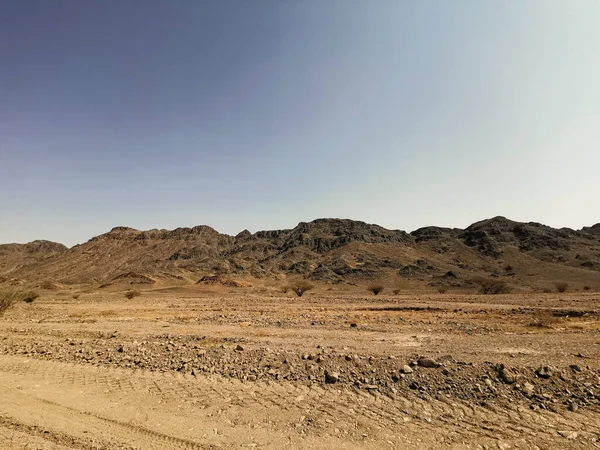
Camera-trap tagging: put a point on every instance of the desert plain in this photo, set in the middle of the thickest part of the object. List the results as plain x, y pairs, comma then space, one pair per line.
210, 367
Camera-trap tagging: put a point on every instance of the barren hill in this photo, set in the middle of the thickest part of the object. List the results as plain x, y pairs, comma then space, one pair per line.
324, 250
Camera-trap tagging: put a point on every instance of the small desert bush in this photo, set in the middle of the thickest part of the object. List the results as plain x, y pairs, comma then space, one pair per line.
375, 289
561, 286
443, 289
29, 296
543, 318
494, 287
132, 293
10, 297
300, 287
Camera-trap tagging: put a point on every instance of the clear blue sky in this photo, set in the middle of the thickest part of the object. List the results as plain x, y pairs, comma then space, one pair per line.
260, 114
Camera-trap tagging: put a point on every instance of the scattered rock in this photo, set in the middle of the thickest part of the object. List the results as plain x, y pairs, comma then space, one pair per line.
406, 369
528, 389
506, 375
568, 434
544, 372
428, 363
239, 348
332, 377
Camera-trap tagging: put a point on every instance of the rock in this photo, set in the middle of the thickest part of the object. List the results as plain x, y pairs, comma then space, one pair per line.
506, 375
575, 368
428, 363
544, 372
446, 358
528, 389
406, 369
332, 377
239, 348
121, 349
573, 407
353, 325
568, 434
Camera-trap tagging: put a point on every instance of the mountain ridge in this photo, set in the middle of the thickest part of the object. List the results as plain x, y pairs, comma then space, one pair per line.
324, 250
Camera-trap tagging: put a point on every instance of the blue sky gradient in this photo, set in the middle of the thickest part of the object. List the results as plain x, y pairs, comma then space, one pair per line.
261, 114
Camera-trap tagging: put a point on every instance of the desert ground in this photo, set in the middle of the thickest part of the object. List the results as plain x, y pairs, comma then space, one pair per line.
200, 368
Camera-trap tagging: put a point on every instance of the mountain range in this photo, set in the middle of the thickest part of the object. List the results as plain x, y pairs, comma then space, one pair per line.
331, 251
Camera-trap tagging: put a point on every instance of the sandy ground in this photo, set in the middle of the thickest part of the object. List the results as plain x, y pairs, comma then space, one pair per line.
186, 369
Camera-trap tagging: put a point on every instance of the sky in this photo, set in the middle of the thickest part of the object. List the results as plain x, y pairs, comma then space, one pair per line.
261, 114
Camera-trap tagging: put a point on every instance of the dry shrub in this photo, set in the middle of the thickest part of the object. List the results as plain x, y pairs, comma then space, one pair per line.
493, 287
375, 289
543, 318
132, 293
443, 289
395, 291
10, 297
561, 286
300, 287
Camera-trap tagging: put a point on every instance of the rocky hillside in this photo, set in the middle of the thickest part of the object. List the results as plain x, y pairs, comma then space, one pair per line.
325, 250
17, 258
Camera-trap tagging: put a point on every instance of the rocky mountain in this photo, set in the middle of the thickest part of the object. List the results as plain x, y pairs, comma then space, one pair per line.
324, 250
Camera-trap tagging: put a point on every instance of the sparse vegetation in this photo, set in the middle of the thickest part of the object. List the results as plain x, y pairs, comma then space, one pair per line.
29, 296
375, 288
132, 293
300, 287
561, 286
9, 297
543, 318
493, 287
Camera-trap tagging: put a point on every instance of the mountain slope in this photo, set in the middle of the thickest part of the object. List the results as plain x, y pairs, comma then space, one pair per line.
324, 250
